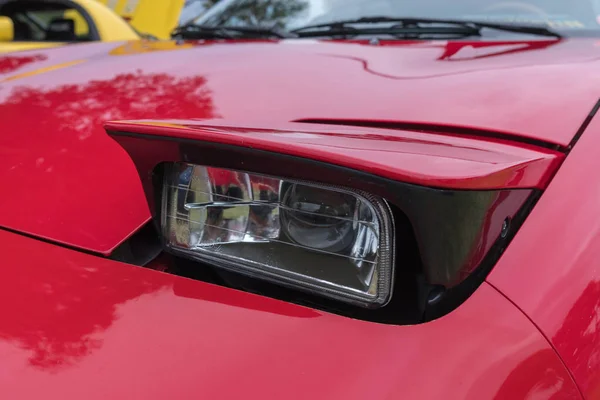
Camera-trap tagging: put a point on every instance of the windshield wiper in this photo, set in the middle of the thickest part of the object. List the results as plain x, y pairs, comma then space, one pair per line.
400, 27
190, 31
418, 26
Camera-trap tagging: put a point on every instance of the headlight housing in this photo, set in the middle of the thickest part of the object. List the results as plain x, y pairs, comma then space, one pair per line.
333, 241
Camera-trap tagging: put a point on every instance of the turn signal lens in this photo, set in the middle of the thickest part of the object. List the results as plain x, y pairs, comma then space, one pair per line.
327, 240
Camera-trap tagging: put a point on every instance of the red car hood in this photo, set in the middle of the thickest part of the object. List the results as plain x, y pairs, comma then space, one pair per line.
67, 181
76, 326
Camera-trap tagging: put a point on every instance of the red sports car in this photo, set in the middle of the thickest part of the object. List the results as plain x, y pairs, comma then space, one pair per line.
307, 199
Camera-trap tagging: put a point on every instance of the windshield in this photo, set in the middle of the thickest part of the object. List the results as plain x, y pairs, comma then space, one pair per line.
292, 14
192, 9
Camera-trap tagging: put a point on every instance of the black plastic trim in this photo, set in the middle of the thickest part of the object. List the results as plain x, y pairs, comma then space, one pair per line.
418, 294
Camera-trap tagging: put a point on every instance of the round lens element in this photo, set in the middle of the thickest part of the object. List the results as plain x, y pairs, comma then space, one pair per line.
318, 218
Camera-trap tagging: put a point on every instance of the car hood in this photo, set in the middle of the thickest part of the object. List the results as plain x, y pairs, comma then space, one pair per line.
67, 181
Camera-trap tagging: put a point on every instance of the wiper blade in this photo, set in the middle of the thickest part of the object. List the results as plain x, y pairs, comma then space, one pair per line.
395, 31
419, 26
228, 32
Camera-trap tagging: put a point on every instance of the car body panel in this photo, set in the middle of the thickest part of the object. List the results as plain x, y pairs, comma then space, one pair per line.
73, 91
558, 282
87, 327
428, 82
429, 159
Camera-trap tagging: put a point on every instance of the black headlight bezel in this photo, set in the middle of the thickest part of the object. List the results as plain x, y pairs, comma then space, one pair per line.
427, 285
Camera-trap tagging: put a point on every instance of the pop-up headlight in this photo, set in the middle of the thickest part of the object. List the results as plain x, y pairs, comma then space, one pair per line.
331, 241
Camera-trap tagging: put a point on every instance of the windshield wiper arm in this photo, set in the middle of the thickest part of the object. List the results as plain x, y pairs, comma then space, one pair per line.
228, 32
416, 25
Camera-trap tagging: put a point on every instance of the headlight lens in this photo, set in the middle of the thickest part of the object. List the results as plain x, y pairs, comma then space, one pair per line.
331, 241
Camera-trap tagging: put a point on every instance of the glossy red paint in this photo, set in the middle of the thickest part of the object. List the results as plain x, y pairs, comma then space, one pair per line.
53, 104
482, 85
551, 269
421, 158
87, 327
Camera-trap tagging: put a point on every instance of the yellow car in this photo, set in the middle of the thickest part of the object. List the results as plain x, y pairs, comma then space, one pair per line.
27, 24
153, 17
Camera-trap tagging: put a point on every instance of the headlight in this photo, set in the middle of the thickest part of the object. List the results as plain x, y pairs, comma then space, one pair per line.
331, 241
